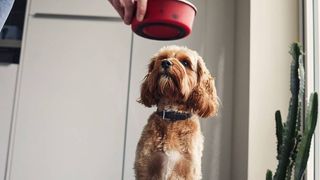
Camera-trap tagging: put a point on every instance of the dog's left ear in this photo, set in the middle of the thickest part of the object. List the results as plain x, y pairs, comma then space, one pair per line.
203, 100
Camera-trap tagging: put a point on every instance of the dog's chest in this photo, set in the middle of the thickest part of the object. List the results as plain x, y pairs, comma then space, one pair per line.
175, 136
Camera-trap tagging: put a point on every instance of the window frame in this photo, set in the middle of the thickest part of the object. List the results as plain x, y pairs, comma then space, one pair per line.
310, 37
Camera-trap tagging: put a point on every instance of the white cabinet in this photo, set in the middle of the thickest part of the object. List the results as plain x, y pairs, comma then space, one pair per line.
73, 7
8, 75
70, 121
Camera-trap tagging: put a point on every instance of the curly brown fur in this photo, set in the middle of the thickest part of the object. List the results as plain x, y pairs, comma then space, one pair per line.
172, 150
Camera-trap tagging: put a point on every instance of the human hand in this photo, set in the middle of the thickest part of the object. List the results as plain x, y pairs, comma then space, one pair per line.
126, 9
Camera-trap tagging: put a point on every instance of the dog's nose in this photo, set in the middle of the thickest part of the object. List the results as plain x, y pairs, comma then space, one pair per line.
166, 64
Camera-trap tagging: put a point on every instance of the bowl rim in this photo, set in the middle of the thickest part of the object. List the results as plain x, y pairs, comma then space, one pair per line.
178, 25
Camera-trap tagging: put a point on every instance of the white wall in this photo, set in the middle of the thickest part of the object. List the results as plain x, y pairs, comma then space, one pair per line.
240, 121
274, 26
263, 34
219, 49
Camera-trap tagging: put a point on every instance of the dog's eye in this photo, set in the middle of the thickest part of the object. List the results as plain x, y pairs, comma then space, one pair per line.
185, 63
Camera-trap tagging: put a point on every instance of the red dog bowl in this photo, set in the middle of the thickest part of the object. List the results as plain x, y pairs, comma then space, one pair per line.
166, 20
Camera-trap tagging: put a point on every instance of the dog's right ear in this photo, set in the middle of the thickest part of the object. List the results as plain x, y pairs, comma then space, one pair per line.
147, 87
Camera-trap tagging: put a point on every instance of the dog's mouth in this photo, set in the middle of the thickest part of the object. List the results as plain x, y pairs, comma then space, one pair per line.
168, 77
165, 75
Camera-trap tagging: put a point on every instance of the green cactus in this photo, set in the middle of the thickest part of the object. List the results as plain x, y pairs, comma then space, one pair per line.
269, 175
279, 130
289, 130
304, 146
293, 145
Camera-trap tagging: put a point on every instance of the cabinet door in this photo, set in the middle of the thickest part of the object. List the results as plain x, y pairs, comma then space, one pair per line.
73, 7
72, 107
8, 75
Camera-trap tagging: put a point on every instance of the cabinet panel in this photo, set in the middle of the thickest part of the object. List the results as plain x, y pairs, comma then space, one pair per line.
72, 107
74, 7
8, 75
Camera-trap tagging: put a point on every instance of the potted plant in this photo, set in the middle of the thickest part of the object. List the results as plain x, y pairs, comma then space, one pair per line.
294, 138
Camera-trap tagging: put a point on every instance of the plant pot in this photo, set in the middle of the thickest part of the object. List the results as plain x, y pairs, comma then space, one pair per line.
166, 20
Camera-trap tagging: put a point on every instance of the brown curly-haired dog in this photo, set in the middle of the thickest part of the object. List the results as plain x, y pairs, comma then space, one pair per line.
179, 84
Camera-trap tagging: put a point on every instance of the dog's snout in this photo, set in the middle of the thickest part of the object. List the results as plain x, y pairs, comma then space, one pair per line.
166, 64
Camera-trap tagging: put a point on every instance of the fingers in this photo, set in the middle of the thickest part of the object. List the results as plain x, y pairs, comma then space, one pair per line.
141, 9
128, 11
118, 7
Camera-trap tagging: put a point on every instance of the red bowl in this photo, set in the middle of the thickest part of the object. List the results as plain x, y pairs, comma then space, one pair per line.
166, 20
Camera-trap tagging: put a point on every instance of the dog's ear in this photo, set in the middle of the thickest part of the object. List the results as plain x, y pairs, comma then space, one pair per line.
203, 99
146, 96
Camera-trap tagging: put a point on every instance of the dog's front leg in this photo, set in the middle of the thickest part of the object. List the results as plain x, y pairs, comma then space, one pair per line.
151, 167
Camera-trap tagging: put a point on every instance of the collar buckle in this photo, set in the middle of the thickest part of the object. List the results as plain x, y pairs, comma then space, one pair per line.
163, 114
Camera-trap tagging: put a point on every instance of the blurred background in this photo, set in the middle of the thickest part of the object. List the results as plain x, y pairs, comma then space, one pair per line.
70, 75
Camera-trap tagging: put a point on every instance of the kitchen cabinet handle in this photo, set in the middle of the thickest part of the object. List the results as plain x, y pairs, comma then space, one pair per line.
10, 51
81, 17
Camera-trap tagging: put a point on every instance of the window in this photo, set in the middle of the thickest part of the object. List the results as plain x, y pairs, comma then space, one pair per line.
311, 42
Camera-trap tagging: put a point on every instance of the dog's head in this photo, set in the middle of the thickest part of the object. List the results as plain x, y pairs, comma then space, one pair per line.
178, 75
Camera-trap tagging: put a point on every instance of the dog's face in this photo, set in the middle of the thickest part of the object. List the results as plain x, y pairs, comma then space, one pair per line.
177, 75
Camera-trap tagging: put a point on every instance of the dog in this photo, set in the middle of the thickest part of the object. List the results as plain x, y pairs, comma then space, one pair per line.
182, 88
